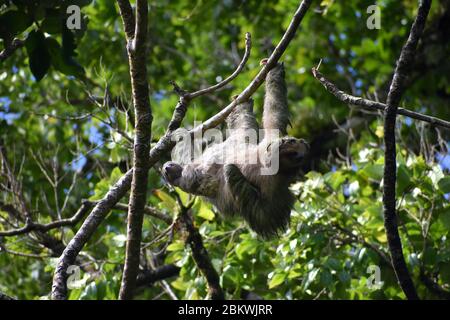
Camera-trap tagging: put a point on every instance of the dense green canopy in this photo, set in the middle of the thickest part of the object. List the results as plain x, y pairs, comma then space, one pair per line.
66, 130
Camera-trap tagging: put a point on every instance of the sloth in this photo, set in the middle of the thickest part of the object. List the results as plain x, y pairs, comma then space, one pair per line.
237, 187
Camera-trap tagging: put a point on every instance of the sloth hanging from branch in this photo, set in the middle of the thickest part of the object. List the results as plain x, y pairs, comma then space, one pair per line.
246, 176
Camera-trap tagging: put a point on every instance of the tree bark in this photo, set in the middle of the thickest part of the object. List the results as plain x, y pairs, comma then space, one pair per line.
137, 53
396, 90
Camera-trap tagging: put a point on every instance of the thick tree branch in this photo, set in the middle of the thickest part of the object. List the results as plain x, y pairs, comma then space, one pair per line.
69, 255
200, 255
374, 105
137, 53
5, 297
396, 90
126, 12
433, 286
148, 277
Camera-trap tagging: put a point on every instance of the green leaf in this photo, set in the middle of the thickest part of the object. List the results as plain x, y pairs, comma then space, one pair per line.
166, 200
102, 187
53, 22
344, 276
373, 171
38, 55
445, 273
68, 43
444, 185
13, 23
246, 247
62, 63
205, 212
276, 280
176, 246
436, 174
333, 264
335, 179
444, 218
180, 284
310, 278
326, 278
403, 179
116, 174
429, 256
119, 240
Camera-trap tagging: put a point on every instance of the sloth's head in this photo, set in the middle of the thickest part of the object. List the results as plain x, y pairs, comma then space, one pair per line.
172, 171
292, 152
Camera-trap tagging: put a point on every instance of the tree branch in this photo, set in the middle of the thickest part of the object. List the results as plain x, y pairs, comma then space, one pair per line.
248, 45
200, 255
374, 105
390, 165
5, 297
360, 239
137, 53
31, 226
148, 277
69, 255
148, 210
433, 286
9, 50
126, 12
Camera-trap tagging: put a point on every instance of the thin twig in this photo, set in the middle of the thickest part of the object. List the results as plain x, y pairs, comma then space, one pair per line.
148, 210
248, 44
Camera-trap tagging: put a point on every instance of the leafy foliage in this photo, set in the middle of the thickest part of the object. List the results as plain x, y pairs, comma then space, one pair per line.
66, 126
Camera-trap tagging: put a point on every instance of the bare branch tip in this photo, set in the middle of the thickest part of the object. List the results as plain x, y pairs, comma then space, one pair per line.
248, 37
177, 89
319, 64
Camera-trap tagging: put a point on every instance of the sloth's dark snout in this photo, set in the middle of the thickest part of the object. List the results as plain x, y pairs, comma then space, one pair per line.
298, 156
171, 171
303, 141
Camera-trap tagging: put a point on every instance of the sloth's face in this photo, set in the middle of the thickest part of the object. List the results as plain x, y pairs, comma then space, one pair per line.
292, 151
172, 172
